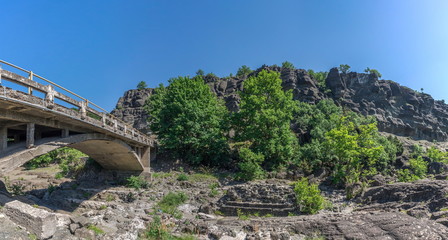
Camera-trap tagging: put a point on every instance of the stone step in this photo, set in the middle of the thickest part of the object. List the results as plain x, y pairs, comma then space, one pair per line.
259, 205
261, 211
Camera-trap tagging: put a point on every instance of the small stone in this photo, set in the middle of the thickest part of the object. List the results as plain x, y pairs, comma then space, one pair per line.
72, 227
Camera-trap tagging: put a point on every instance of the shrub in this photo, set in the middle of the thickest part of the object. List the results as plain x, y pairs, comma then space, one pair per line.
142, 85
436, 155
250, 165
200, 72
243, 71
136, 182
182, 177
344, 68
373, 71
287, 65
417, 170
308, 197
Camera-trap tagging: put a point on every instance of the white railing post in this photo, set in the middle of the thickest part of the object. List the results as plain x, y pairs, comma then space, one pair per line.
30, 77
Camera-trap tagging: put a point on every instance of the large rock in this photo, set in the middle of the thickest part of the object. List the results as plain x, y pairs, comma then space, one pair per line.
130, 108
422, 199
37, 221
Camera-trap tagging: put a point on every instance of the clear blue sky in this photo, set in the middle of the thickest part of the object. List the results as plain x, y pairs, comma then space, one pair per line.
100, 49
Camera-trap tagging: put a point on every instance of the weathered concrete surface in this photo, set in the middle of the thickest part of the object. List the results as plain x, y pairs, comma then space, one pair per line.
37, 221
110, 153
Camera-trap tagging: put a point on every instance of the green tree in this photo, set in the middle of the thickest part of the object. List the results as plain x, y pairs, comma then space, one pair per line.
344, 68
189, 121
373, 71
288, 65
142, 85
320, 77
264, 118
200, 72
243, 71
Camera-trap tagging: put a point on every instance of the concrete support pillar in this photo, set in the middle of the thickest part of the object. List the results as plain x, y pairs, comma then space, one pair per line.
30, 128
145, 159
3, 138
65, 133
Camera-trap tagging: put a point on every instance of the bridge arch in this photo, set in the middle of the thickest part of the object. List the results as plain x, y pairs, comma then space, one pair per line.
110, 153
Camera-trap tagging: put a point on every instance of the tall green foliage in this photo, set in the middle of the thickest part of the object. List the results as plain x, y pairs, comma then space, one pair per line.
342, 141
288, 65
243, 71
264, 118
189, 121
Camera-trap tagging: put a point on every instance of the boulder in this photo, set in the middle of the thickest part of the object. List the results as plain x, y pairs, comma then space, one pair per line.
37, 221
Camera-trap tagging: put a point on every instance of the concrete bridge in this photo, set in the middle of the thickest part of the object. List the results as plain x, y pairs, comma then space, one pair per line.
38, 116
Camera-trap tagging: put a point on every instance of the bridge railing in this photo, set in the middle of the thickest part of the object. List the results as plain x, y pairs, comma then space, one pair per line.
84, 109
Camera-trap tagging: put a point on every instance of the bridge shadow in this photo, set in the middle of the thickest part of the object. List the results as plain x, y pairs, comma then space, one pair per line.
71, 194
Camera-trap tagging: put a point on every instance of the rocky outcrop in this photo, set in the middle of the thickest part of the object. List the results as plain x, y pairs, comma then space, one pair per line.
398, 109
259, 198
421, 199
130, 108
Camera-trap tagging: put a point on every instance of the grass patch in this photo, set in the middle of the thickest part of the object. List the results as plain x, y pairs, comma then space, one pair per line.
202, 177
110, 198
171, 201
241, 215
160, 231
95, 229
136, 182
162, 174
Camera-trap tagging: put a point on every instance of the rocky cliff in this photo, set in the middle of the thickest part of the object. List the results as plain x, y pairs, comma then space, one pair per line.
399, 110
130, 108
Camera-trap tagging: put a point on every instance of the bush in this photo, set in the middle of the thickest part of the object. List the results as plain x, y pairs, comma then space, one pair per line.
200, 72
250, 165
63, 155
417, 170
136, 182
142, 85
373, 71
344, 68
182, 177
287, 65
243, 71
308, 197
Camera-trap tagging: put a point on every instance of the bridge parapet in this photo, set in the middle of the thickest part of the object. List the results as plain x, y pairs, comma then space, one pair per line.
83, 110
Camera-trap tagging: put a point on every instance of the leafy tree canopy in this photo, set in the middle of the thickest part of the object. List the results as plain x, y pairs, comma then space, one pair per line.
189, 121
264, 118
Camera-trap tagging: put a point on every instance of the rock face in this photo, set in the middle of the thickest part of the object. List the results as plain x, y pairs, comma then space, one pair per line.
398, 109
130, 108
